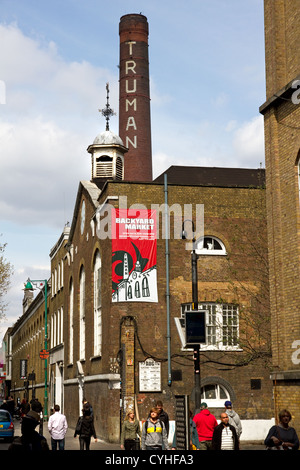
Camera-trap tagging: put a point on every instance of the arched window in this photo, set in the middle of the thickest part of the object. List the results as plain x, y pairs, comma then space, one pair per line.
97, 306
129, 292
214, 395
145, 288
104, 166
119, 168
71, 320
209, 245
137, 290
82, 314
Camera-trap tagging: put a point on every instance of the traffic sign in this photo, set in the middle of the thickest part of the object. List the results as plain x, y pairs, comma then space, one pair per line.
44, 354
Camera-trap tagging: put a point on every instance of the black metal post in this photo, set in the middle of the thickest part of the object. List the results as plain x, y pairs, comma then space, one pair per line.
196, 347
194, 259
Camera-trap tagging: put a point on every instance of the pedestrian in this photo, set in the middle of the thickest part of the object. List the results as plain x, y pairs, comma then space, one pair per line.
205, 423
234, 418
24, 407
57, 426
163, 415
131, 432
36, 405
4, 405
30, 440
194, 439
11, 405
85, 428
154, 434
225, 436
85, 402
282, 436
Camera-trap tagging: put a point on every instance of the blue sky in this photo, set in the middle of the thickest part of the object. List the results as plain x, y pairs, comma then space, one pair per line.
207, 77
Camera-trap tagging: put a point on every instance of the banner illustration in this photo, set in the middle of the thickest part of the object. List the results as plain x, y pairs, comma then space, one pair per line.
134, 274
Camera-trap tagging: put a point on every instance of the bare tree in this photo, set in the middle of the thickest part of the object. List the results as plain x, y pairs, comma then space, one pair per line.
6, 271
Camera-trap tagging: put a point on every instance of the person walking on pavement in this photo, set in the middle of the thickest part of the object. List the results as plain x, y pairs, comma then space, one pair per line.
85, 402
85, 428
30, 439
163, 415
234, 418
154, 434
57, 426
205, 423
225, 435
282, 436
24, 407
130, 432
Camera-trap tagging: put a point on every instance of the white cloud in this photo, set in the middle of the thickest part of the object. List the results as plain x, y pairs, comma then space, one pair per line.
49, 119
41, 162
38, 78
15, 294
248, 141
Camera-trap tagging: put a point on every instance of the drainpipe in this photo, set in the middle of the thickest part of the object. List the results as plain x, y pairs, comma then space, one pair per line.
167, 279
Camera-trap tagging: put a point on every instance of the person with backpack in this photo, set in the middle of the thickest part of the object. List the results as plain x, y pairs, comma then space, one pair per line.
154, 434
234, 418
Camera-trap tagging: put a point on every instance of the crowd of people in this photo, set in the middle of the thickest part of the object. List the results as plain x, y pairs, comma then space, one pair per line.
205, 431
32, 440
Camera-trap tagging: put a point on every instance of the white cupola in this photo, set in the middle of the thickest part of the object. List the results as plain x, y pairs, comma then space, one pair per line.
107, 151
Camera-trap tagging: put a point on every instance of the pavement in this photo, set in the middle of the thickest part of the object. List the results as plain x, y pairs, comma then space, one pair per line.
72, 443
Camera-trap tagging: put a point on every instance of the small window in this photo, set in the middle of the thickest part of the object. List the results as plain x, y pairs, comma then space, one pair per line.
129, 292
145, 288
255, 384
210, 246
104, 166
137, 290
214, 395
119, 169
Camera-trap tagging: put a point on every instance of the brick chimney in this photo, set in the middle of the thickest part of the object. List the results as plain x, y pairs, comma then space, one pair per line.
134, 107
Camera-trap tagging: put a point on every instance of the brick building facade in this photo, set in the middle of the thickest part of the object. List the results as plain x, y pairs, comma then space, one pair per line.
282, 143
105, 350
234, 362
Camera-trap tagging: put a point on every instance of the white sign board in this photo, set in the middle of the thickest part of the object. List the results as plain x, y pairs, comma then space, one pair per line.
150, 376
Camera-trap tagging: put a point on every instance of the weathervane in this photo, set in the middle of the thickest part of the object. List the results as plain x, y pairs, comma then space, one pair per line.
107, 112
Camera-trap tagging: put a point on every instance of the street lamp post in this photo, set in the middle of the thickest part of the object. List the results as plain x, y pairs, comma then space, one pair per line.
43, 284
194, 259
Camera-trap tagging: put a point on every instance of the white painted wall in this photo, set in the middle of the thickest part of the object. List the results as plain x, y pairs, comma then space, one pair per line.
253, 429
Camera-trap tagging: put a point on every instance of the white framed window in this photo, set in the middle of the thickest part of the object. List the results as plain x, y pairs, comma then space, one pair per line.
52, 284
62, 273
214, 395
58, 277
97, 306
222, 325
71, 320
82, 314
61, 326
209, 245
